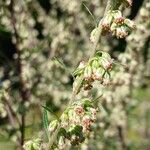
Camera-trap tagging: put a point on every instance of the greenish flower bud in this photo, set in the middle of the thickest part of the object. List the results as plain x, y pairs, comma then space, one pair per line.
130, 23
117, 14
118, 18
106, 22
98, 74
95, 65
106, 79
106, 63
106, 55
113, 27
95, 35
61, 143
32, 145
65, 120
53, 126
121, 32
88, 73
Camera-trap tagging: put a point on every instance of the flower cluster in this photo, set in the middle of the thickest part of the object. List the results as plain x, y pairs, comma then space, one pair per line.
32, 144
76, 123
97, 68
115, 23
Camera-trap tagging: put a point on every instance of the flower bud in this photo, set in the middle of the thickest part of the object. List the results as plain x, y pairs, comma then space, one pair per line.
98, 74
95, 65
130, 23
118, 18
79, 110
106, 22
81, 65
106, 55
113, 27
61, 143
86, 121
106, 63
95, 35
53, 126
88, 73
32, 145
65, 120
93, 113
106, 79
121, 32
36, 144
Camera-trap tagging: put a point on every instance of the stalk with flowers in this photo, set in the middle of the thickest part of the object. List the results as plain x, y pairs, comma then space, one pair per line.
76, 122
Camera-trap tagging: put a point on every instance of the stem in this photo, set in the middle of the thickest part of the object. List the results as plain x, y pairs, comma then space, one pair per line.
122, 138
111, 4
24, 93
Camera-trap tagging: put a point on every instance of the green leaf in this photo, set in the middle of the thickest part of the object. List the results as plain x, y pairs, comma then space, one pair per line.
51, 111
45, 122
62, 65
90, 14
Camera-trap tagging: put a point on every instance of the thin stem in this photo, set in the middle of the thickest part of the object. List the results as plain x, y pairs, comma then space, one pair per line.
121, 138
74, 93
24, 93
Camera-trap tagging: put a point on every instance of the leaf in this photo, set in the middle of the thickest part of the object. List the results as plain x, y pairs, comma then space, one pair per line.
51, 111
97, 99
90, 14
60, 62
45, 122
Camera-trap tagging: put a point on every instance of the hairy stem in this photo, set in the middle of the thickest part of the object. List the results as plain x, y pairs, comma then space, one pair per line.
111, 4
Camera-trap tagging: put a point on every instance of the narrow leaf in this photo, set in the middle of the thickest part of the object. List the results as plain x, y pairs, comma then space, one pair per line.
90, 14
45, 122
51, 111
60, 62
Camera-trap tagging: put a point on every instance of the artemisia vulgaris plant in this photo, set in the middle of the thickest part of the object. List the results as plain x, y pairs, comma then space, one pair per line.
77, 121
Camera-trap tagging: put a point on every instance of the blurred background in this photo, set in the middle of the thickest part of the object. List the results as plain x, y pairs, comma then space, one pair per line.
42, 42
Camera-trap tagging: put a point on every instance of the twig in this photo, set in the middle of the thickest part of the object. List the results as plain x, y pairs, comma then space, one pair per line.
122, 138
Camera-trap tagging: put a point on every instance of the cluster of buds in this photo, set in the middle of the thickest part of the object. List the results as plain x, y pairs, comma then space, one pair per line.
98, 68
76, 123
115, 23
32, 144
